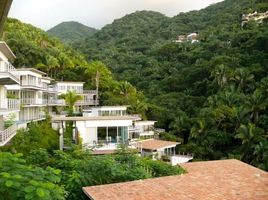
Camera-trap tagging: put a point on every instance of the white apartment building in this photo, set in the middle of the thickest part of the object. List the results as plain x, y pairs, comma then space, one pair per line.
26, 93
9, 107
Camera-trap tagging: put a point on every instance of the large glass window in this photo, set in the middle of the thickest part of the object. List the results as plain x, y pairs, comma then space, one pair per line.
112, 134
101, 134
123, 133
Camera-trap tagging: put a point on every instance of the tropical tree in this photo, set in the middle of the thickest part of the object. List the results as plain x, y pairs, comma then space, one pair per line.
70, 99
256, 103
242, 77
221, 75
250, 135
182, 125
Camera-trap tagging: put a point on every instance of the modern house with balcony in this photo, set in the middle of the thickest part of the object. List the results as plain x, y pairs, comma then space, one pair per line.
89, 96
32, 93
104, 129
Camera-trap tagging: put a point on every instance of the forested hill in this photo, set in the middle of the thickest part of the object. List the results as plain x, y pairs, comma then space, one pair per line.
123, 44
69, 32
212, 94
34, 47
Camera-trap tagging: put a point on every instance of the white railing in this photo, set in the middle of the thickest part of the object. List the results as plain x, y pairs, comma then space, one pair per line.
52, 89
7, 134
87, 102
8, 67
33, 117
89, 91
56, 101
13, 103
9, 104
28, 101
31, 84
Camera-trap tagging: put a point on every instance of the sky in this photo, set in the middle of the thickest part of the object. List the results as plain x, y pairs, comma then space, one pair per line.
94, 13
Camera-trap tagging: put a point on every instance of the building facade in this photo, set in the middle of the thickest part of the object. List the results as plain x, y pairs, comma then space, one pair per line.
27, 94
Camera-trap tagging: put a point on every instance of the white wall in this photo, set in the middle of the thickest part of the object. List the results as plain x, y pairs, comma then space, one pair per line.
108, 123
88, 134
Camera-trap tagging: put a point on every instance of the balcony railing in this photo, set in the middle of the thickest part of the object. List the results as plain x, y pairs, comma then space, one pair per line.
33, 117
52, 89
55, 102
9, 104
8, 67
87, 102
31, 84
33, 101
28, 101
13, 103
89, 91
7, 134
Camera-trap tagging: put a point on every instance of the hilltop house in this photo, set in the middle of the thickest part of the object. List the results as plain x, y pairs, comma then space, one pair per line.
192, 38
257, 17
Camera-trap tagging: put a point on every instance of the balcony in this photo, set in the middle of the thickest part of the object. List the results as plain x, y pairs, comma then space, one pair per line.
52, 89
87, 102
32, 117
90, 92
33, 101
9, 104
8, 74
8, 134
31, 85
59, 102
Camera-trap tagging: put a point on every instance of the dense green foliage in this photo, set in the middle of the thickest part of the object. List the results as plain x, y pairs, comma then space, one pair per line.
37, 135
209, 92
45, 172
35, 48
70, 32
18, 180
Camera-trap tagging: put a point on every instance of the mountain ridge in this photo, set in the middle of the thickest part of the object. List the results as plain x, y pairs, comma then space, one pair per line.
70, 31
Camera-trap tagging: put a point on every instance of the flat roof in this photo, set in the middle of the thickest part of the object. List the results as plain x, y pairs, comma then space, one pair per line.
208, 180
94, 118
47, 78
152, 144
32, 70
145, 122
107, 107
70, 82
6, 50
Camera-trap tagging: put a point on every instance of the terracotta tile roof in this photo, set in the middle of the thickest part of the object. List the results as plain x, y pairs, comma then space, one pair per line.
153, 144
210, 180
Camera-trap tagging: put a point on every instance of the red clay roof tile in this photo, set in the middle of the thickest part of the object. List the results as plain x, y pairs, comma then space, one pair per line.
210, 180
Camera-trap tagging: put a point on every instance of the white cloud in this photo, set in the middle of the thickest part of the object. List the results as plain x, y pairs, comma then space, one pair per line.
95, 13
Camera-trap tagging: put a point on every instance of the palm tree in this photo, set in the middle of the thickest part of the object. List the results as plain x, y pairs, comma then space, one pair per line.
242, 77
70, 99
221, 75
256, 103
125, 89
182, 125
250, 136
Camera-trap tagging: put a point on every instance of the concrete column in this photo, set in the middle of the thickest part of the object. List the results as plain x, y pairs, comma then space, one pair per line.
61, 137
2, 124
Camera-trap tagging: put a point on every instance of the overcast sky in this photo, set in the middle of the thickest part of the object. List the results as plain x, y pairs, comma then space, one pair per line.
95, 13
